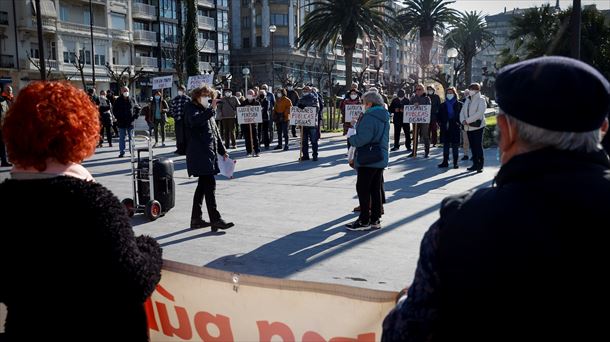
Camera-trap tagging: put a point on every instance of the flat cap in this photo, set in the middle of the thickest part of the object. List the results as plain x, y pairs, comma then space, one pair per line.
547, 92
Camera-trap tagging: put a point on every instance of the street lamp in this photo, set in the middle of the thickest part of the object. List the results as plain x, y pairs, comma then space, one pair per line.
272, 29
246, 73
452, 54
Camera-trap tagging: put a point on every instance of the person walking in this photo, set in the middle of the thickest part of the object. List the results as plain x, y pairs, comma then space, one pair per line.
158, 111
126, 110
177, 112
523, 260
472, 118
204, 148
250, 130
449, 121
310, 134
281, 116
91, 256
423, 129
397, 108
373, 129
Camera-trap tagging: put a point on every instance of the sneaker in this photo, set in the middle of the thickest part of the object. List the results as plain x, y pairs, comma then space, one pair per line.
479, 170
221, 224
121, 155
162, 144
199, 223
443, 164
472, 168
357, 226
356, 209
465, 157
411, 155
256, 155
455, 166
409, 149
285, 148
394, 149
376, 224
303, 158
315, 158
279, 147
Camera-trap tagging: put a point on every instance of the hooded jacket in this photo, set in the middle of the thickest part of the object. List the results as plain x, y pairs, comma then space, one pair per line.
372, 128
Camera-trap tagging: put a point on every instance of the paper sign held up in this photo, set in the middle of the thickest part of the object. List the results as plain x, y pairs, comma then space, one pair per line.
199, 80
162, 82
352, 111
417, 114
307, 116
249, 115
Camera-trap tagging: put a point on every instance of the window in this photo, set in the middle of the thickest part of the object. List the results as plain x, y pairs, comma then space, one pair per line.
280, 41
168, 32
64, 13
34, 50
100, 54
52, 50
115, 57
223, 3
245, 22
223, 20
258, 20
118, 21
168, 9
279, 19
137, 25
246, 42
86, 17
246, 2
223, 41
86, 54
259, 41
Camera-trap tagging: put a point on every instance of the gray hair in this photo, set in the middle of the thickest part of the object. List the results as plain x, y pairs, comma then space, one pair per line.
535, 138
372, 97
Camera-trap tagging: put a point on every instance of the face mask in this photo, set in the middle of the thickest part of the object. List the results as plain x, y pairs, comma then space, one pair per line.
473, 92
157, 97
353, 97
227, 94
290, 88
249, 97
205, 101
278, 95
430, 92
103, 97
180, 93
305, 93
126, 94
450, 96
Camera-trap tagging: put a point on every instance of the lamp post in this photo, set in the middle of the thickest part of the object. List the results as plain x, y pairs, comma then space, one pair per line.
92, 49
272, 29
452, 54
246, 73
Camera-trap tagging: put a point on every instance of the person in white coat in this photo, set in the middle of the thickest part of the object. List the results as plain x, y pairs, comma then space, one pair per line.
472, 118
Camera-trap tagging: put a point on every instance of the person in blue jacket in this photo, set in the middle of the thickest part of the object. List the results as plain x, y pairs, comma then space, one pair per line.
373, 127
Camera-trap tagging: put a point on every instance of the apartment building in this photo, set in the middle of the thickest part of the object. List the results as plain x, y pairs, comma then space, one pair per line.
127, 34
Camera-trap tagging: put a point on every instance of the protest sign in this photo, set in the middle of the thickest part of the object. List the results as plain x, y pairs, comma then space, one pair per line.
162, 82
249, 115
417, 114
307, 116
353, 111
199, 80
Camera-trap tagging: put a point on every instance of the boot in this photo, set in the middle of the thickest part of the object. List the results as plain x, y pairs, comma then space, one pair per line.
427, 151
443, 164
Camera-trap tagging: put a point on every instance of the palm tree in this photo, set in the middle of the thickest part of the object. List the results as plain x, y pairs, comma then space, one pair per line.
469, 36
426, 17
348, 20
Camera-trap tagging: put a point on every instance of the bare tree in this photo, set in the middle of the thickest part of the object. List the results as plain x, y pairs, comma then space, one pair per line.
38, 66
359, 76
79, 63
124, 78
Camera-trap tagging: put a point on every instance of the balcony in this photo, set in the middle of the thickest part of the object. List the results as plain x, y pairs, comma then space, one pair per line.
48, 24
145, 11
206, 23
145, 37
205, 66
64, 25
7, 61
206, 3
143, 61
120, 34
3, 18
32, 64
207, 45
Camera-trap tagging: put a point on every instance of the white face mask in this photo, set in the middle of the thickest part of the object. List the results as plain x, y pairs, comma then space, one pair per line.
227, 94
278, 95
126, 94
290, 88
103, 97
353, 97
249, 97
180, 93
450, 96
305, 93
205, 101
473, 92
430, 92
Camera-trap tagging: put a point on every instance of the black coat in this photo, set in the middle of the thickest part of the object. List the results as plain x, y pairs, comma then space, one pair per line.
398, 104
450, 129
265, 107
526, 260
70, 256
204, 143
126, 110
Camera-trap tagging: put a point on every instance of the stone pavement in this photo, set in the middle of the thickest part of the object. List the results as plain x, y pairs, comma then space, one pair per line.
289, 216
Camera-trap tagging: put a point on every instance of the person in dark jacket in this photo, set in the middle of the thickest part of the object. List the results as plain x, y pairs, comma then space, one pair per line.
106, 118
396, 108
80, 244
263, 128
293, 96
250, 130
158, 112
449, 121
309, 99
126, 110
524, 260
177, 112
435, 101
423, 129
205, 145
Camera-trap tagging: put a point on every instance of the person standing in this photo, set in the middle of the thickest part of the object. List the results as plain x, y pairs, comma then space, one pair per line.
6, 99
309, 99
423, 129
126, 110
281, 116
263, 128
397, 108
523, 260
465, 142
373, 128
94, 256
293, 96
177, 112
353, 99
204, 148
435, 101
271, 100
449, 121
227, 108
250, 132
472, 118
105, 109
158, 110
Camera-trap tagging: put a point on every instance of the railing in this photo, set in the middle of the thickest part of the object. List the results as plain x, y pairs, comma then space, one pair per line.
209, 45
146, 61
80, 27
145, 35
143, 9
206, 22
3, 18
53, 64
120, 34
204, 66
208, 3
7, 61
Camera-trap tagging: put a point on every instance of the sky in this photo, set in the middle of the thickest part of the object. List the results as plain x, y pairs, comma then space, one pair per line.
497, 6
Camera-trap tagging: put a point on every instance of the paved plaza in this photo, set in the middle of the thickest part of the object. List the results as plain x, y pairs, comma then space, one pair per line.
289, 216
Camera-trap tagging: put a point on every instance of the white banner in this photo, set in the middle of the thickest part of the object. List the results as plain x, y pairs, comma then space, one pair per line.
199, 80
352, 111
201, 304
307, 116
249, 115
417, 114
162, 82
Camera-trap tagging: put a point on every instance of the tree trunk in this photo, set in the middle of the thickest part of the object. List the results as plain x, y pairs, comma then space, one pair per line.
426, 38
468, 70
349, 57
190, 39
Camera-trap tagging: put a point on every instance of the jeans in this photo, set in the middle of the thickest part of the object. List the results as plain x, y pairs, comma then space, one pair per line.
206, 188
476, 146
122, 133
369, 188
159, 126
310, 134
282, 130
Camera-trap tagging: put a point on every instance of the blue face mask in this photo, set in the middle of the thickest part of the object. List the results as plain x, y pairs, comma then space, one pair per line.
157, 97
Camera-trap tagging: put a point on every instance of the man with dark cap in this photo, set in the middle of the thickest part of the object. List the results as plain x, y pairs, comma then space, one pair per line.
396, 109
523, 260
177, 112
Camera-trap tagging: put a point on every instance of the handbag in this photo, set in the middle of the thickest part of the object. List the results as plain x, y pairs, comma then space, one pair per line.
371, 152
475, 123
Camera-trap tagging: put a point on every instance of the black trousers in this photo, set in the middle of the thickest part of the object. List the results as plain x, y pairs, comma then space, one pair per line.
455, 147
206, 188
369, 189
108, 129
282, 130
3, 158
293, 128
180, 136
398, 127
263, 133
246, 129
476, 146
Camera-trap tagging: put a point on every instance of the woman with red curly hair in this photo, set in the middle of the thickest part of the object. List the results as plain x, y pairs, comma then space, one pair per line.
62, 217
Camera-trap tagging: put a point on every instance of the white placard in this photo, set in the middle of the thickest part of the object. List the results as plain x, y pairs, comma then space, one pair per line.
352, 111
249, 115
417, 114
226, 166
162, 82
307, 116
199, 80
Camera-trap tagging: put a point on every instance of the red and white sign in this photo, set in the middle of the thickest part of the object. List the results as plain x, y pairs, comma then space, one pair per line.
249, 115
307, 116
352, 111
417, 114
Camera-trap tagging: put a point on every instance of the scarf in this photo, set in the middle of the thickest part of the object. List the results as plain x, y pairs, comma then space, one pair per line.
449, 104
53, 169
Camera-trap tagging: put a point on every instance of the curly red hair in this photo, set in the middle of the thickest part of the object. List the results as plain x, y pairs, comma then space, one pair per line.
51, 120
